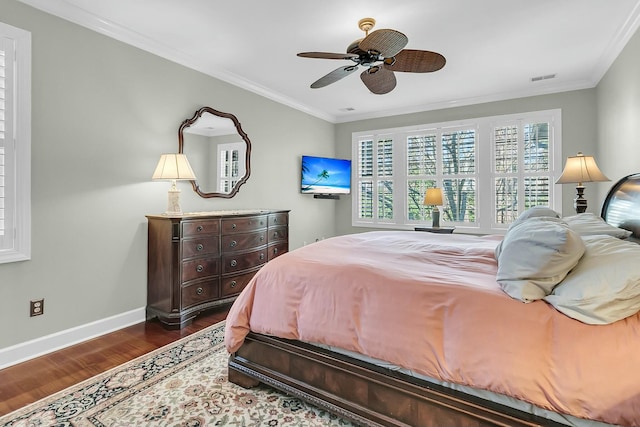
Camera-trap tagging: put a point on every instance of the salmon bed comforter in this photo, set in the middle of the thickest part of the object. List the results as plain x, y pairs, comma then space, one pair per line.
430, 303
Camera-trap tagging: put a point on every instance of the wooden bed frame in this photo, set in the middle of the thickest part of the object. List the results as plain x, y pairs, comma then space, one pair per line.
370, 395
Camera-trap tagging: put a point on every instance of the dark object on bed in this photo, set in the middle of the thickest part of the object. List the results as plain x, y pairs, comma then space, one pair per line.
374, 396
621, 208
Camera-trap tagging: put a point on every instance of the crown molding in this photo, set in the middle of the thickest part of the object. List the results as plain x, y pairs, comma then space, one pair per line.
547, 89
617, 44
72, 13
65, 10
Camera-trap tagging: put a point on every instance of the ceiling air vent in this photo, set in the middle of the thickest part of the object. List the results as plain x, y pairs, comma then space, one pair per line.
547, 77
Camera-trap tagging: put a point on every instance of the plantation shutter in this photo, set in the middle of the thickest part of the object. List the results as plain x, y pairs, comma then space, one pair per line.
6, 137
384, 169
421, 174
459, 175
15, 144
522, 162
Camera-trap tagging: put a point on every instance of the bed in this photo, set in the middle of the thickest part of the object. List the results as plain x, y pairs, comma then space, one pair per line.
403, 328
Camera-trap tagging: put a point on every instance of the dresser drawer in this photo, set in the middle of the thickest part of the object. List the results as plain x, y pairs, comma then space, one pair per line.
196, 228
277, 250
277, 234
278, 219
203, 260
243, 241
238, 262
199, 292
241, 225
200, 246
234, 285
199, 268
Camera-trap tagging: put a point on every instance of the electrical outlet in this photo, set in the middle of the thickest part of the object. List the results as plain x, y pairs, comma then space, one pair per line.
36, 308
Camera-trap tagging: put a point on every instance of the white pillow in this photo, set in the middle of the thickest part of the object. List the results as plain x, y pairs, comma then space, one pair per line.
588, 224
533, 212
605, 285
536, 255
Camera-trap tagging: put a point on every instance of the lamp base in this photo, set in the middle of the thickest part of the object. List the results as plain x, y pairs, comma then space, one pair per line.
173, 198
580, 203
435, 215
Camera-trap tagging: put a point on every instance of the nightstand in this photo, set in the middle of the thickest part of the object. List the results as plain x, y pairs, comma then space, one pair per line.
441, 230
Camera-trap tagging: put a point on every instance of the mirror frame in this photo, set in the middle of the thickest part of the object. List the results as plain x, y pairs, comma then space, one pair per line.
188, 122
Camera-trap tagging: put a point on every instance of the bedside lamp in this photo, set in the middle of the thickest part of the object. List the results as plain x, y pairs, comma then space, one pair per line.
433, 197
579, 169
172, 167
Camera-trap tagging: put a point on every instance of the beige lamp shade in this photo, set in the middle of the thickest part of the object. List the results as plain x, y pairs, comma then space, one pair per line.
173, 166
433, 197
579, 169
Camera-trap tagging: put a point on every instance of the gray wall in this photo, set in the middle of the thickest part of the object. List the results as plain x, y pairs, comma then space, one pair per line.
102, 113
618, 101
578, 134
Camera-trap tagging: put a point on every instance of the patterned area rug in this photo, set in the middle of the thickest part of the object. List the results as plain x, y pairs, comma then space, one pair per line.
183, 384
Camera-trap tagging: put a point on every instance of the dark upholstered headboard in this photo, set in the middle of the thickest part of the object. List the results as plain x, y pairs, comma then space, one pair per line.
621, 208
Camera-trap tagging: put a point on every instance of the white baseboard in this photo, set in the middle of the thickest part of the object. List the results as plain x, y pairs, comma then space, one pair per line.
29, 349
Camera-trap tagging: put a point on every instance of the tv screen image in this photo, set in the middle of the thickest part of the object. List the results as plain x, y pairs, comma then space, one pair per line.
323, 175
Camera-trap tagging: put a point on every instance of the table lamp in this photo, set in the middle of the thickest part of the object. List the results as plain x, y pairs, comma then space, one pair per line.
579, 169
173, 167
433, 197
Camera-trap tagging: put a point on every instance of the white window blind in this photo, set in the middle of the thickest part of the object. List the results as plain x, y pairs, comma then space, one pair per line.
3, 115
521, 167
490, 170
15, 144
231, 167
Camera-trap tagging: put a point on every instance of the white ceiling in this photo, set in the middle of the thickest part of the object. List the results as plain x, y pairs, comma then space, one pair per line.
493, 47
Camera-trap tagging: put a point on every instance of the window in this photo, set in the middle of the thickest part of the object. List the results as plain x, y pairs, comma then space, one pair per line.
231, 169
490, 169
15, 144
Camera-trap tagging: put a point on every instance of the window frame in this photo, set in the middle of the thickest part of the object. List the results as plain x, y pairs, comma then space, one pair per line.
16, 243
485, 221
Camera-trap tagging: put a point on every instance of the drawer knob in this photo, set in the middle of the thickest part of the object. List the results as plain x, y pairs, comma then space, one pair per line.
275, 250
199, 228
233, 226
233, 284
233, 243
199, 268
199, 247
234, 263
261, 257
275, 220
199, 291
261, 238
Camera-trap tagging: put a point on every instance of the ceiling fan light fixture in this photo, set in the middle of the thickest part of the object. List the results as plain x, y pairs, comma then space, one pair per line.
382, 53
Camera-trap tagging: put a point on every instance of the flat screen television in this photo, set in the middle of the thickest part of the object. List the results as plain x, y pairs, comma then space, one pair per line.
325, 176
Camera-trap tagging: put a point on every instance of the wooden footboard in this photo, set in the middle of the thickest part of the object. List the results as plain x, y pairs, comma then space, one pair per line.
362, 392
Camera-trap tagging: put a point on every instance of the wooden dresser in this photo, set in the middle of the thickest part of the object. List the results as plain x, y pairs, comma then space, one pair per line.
199, 261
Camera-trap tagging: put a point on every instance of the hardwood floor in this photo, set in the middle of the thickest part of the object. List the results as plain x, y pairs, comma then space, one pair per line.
32, 380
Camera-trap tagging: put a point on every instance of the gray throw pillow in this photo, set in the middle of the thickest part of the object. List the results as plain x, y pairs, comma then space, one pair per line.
536, 255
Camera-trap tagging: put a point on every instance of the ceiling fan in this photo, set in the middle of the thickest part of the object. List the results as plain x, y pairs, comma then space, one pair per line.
381, 52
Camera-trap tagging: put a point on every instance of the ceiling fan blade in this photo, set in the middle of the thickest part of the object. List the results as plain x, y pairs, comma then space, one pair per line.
386, 42
333, 76
327, 55
416, 61
378, 80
